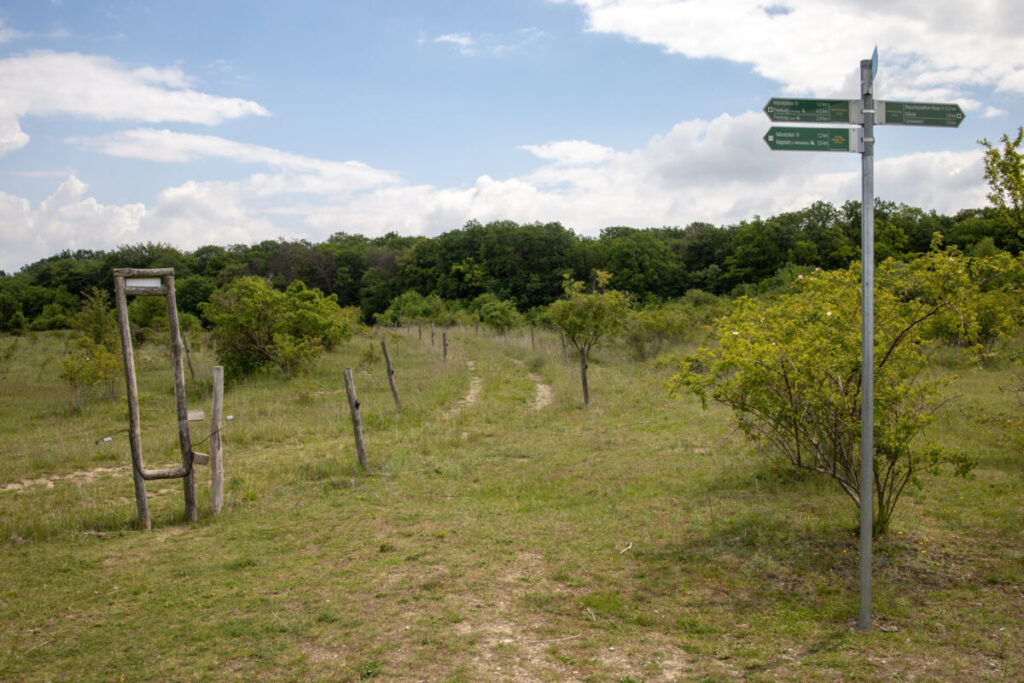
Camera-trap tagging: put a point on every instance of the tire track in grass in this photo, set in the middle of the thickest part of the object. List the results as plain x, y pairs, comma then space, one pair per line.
545, 393
476, 385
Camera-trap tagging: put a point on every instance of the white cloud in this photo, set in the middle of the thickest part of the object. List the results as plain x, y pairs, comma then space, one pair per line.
462, 41
46, 83
169, 146
489, 43
68, 219
571, 152
926, 47
994, 112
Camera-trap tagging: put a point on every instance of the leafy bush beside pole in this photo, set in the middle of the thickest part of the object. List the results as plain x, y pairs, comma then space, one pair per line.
789, 368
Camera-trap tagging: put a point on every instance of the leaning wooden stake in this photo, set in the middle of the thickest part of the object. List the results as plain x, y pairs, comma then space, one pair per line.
391, 373
216, 457
184, 438
357, 421
444, 345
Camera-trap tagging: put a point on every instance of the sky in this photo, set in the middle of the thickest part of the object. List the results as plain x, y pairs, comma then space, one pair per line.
194, 123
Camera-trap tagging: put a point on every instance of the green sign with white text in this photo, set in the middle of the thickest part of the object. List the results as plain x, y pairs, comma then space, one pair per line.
812, 139
808, 111
919, 114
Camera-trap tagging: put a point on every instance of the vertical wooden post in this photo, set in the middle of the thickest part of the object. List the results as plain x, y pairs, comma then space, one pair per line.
431, 334
583, 373
565, 349
184, 438
216, 457
533, 341
391, 373
357, 421
188, 356
444, 344
419, 328
132, 388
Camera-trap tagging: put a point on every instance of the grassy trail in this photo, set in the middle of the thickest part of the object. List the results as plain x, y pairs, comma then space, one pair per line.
639, 539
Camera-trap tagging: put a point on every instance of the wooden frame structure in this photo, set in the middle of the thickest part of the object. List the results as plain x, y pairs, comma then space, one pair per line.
154, 282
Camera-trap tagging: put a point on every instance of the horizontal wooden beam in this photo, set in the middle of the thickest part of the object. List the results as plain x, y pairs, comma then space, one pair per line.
143, 272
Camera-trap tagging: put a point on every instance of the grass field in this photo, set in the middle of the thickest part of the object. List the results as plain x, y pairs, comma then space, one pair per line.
496, 537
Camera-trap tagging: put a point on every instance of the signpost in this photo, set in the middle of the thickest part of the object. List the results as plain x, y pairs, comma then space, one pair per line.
919, 114
811, 111
812, 139
866, 112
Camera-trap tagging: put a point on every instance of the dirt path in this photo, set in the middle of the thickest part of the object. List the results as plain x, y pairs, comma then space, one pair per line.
476, 385
545, 394
78, 476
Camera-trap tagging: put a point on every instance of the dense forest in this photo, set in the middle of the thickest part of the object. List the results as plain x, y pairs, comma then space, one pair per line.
524, 264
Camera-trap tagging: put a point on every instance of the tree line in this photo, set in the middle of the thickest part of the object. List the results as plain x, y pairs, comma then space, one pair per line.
525, 264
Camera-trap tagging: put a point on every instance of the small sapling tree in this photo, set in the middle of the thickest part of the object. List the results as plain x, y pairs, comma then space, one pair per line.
789, 368
586, 318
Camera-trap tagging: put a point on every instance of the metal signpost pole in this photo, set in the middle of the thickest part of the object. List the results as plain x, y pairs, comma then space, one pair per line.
867, 368
867, 111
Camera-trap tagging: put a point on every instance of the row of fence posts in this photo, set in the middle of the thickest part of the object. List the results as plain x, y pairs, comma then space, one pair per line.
353, 402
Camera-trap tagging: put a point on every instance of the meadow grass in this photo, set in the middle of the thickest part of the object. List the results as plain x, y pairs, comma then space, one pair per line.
638, 539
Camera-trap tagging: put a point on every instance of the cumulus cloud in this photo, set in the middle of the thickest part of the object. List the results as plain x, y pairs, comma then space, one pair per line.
928, 48
44, 83
67, 219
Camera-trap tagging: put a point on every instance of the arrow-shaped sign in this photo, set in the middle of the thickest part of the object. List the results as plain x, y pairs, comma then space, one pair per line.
812, 139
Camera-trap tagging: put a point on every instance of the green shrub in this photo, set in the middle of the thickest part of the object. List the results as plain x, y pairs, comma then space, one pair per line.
789, 368
256, 326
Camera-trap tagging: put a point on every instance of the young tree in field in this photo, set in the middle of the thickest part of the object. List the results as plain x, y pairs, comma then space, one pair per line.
789, 368
586, 318
255, 325
1004, 171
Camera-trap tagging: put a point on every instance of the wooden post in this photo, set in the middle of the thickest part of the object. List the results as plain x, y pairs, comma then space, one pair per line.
184, 438
565, 349
216, 457
188, 356
391, 373
533, 342
134, 428
431, 334
419, 328
444, 344
583, 373
357, 421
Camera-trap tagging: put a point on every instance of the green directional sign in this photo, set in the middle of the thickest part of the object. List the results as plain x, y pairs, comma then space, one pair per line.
812, 139
808, 111
920, 114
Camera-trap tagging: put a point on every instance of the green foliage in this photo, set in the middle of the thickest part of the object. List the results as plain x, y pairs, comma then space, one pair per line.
256, 326
12, 320
89, 367
588, 317
96, 320
413, 307
648, 330
1004, 171
789, 368
501, 316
